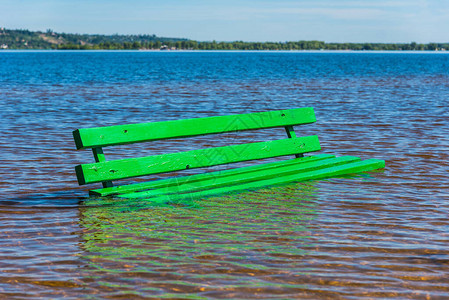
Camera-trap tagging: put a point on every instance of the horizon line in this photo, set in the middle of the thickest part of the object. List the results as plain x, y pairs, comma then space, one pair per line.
220, 41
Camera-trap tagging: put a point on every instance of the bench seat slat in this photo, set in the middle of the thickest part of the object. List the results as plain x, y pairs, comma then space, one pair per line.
191, 179
127, 168
134, 133
212, 182
347, 168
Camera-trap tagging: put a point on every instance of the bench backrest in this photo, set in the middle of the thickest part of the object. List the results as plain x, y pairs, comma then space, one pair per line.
107, 171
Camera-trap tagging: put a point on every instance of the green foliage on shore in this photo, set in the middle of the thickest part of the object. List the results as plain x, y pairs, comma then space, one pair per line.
25, 39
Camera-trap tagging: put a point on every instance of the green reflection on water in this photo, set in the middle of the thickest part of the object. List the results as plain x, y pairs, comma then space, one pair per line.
209, 245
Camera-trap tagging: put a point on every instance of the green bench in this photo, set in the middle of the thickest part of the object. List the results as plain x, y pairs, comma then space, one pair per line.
298, 168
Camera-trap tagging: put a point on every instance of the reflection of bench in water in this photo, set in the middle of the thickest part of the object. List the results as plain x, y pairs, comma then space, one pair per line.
211, 183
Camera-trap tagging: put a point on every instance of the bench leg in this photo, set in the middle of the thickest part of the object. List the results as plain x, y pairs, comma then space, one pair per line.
99, 157
292, 134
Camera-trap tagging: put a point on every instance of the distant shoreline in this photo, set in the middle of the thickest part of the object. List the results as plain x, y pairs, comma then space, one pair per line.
229, 51
49, 40
174, 49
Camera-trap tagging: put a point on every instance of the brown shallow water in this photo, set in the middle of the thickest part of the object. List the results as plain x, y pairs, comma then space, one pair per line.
381, 234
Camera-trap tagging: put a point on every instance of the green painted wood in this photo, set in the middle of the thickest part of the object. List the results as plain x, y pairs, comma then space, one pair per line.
213, 182
292, 134
126, 168
100, 157
98, 154
352, 167
175, 181
133, 133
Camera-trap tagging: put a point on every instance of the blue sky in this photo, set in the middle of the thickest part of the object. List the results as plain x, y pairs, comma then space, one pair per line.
422, 21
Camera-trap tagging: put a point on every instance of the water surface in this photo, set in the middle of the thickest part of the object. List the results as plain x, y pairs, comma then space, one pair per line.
381, 234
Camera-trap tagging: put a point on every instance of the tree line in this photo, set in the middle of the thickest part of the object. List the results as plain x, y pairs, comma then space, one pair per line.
25, 39
300, 45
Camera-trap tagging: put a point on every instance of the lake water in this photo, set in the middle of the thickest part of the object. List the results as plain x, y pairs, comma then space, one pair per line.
382, 234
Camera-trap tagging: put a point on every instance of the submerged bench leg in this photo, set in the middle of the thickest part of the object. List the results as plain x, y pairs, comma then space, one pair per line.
99, 157
291, 134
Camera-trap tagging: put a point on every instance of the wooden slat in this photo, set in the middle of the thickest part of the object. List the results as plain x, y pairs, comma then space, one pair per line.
352, 167
133, 133
228, 181
191, 179
126, 168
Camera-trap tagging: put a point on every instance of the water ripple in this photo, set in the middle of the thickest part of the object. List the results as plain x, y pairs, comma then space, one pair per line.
381, 234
